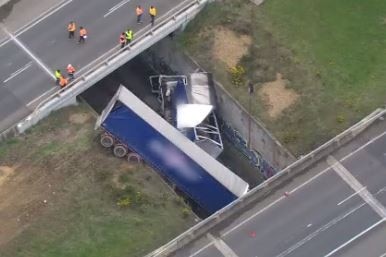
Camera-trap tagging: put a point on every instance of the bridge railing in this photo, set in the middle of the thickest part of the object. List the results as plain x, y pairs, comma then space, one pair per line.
114, 58
116, 50
268, 186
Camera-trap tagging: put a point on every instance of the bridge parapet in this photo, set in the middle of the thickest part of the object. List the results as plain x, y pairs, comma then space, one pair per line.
113, 59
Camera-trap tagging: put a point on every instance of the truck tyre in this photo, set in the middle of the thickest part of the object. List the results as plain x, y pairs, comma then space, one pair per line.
107, 140
134, 158
120, 151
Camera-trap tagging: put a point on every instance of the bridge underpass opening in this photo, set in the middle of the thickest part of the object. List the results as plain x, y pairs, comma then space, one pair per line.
134, 75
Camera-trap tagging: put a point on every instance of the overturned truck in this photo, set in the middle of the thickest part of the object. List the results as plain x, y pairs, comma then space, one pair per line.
188, 103
131, 127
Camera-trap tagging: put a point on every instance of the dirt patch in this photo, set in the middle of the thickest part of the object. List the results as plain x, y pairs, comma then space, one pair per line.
22, 199
79, 118
277, 97
64, 134
229, 47
5, 171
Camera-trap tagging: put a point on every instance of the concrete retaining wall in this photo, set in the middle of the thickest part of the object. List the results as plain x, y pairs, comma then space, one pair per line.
229, 109
260, 139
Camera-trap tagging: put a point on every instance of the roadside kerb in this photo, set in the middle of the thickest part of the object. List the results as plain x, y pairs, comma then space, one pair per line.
113, 59
268, 186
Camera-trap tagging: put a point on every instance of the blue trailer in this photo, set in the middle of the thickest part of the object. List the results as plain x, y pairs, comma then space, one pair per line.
130, 125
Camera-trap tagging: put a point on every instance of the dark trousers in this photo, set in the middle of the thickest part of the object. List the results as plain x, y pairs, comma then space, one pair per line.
139, 17
71, 34
152, 17
81, 39
123, 44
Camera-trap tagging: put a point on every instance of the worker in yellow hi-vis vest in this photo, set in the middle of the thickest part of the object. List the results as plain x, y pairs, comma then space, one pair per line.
152, 13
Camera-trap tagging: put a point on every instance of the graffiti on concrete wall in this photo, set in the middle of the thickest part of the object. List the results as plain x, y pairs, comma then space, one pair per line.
253, 156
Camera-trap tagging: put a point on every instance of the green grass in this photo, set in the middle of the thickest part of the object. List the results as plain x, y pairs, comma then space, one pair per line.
82, 184
332, 52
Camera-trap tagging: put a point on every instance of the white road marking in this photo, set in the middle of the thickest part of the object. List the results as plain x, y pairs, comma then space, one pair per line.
363, 146
357, 186
351, 196
305, 183
37, 20
254, 215
383, 255
18, 72
383, 189
22, 46
292, 191
309, 225
116, 7
355, 238
222, 246
318, 231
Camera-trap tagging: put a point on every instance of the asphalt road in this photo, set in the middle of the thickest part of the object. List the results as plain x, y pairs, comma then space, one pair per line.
338, 209
30, 55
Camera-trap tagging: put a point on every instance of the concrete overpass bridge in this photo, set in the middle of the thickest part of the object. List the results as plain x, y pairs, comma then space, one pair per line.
30, 54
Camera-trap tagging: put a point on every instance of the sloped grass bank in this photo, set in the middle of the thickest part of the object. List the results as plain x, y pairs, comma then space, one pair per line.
331, 53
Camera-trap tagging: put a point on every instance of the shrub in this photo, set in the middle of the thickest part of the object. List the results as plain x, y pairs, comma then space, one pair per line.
237, 74
340, 119
185, 212
124, 202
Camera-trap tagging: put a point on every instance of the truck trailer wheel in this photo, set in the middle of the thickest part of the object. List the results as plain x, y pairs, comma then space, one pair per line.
120, 151
134, 158
107, 140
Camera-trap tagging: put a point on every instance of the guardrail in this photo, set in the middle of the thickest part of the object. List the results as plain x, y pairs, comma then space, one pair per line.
265, 188
115, 51
114, 58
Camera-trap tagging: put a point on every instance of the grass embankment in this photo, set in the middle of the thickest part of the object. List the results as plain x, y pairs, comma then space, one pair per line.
63, 195
330, 53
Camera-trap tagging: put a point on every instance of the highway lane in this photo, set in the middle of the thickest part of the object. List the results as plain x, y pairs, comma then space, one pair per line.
28, 61
372, 244
342, 207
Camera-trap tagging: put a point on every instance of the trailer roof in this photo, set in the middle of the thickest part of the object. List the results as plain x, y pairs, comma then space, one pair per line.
218, 171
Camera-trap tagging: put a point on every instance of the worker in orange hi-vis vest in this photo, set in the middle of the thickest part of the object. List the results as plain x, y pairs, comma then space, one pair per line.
71, 28
139, 12
152, 13
82, 35
63, 82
